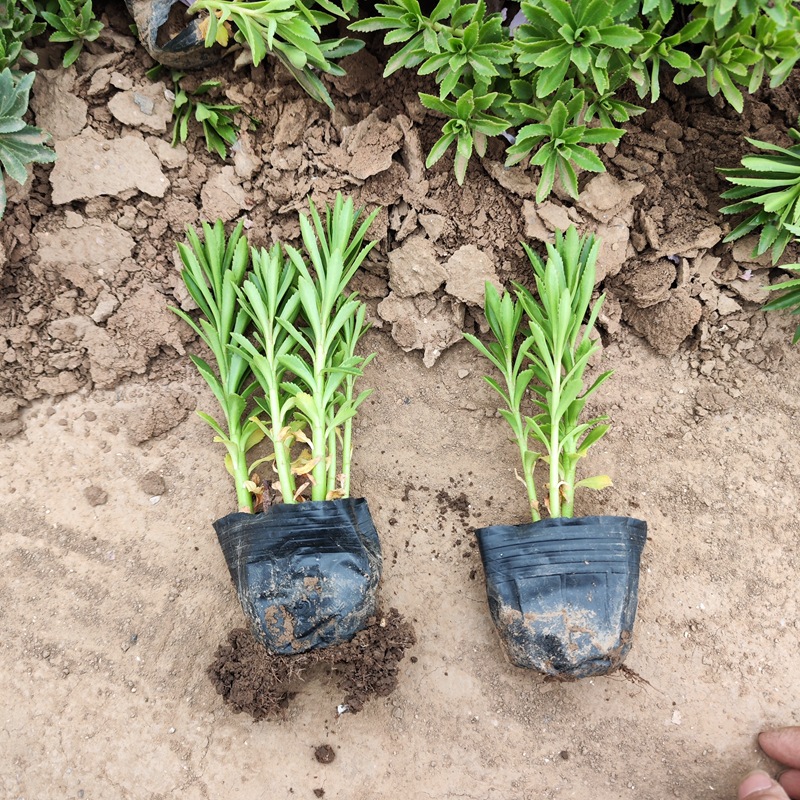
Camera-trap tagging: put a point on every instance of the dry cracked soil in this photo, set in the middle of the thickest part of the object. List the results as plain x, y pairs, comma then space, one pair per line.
115, 596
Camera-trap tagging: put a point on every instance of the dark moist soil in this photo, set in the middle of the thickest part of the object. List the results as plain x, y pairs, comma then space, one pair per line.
255, 682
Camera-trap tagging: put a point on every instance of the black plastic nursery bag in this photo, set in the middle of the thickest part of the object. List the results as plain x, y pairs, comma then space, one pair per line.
306, 573
168, 36
563, 592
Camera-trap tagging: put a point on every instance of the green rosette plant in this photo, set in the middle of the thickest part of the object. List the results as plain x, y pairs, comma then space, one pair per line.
18, 23
73, 22
789, 300
20, 144
542, 347
767, 187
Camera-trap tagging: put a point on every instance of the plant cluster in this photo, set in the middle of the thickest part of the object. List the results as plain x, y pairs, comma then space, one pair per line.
767, 188
20, 144
542, 347
73, 22
290, 30
283, 332
18, 23
544, 77
215, 118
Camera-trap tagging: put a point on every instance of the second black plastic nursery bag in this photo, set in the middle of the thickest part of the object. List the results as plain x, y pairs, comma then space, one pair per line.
563, 592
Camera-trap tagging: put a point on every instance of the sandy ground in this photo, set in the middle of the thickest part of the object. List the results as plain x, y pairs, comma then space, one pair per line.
111, 613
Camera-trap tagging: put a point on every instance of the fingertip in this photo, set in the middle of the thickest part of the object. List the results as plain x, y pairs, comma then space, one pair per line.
758, 786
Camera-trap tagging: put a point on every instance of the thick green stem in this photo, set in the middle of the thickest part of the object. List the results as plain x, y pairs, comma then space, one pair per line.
320, 472
282, 461
555, 444
347, 455
240, 477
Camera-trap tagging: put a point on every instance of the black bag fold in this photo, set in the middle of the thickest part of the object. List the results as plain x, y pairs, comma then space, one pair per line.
306, 574
563, 592
179, 46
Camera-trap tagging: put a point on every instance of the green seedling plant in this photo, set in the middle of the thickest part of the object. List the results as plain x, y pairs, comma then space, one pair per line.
303, 352
213, 269
283, 332
216, 119
289, 30
73, 22
18, 23
20, 144
542, 347
577, 52
767, 187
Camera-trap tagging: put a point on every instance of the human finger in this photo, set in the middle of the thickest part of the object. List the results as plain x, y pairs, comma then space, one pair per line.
759, 786
790, 780
782, 744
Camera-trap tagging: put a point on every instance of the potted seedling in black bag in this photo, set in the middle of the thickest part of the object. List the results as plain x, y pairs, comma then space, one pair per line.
562, 591
283, 331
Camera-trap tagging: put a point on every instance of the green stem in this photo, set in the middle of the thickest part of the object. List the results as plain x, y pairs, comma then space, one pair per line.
333, 465
568, 506
240, 476
320, 471
347, 455
555, 488
522, 443
282, 461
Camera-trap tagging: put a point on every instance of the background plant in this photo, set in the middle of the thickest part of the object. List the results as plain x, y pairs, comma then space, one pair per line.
216, 118
20, 144
789, 300
542, 347
767, 187
290, 30
519, 73
18, 23
73, 22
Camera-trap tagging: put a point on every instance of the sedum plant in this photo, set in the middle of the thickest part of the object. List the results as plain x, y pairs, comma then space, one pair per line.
289, 30
542, 346
20, 144
578, 53
767, 187
73, 22
283, 331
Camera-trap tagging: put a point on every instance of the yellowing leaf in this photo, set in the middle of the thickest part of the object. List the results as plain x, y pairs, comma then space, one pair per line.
597, 482
304, 463
334, 494
228, 463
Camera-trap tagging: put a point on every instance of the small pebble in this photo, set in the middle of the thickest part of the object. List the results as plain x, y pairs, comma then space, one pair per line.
95, 496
